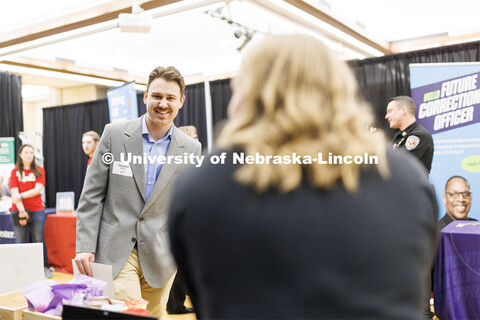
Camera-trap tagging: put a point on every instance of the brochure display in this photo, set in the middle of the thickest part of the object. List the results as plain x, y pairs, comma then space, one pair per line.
65, 202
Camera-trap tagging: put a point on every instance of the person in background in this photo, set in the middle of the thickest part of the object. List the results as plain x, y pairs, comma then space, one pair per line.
190, 131
90, 141
122, 212
5, 187
411, 135
302, 239
5, 194
27, 181
414, 138
457, 200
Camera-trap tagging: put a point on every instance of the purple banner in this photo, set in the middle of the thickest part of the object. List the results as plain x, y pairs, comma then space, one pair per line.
448, 104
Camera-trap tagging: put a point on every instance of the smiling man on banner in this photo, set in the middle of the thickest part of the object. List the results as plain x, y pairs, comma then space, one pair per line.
457, 200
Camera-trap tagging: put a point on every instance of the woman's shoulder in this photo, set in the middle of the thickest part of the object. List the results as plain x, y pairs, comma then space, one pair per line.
216, 167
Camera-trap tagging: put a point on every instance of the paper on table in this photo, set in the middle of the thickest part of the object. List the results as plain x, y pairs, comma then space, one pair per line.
102, 272
20, 265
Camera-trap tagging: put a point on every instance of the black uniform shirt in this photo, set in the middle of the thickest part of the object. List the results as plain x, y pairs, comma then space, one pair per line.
418, 141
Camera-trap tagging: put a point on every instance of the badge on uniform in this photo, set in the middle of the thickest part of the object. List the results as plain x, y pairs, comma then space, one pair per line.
412, 142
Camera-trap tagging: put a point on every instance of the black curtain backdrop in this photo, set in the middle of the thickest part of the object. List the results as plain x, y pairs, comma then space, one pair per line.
221, 92
193, 111
65, 161
385, 77
11, 112
142, 108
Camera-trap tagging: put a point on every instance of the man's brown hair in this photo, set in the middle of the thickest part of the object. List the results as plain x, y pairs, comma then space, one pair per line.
405, 101
169, 74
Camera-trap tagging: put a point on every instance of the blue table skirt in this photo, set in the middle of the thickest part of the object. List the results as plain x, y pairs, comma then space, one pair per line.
7, 232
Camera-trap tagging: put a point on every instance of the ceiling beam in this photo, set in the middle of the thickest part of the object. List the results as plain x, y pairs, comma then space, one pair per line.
102, 13
71, 68
284, 13
432, 41
302, 5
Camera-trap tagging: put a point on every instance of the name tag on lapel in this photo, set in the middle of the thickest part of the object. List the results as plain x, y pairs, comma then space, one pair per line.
122, 168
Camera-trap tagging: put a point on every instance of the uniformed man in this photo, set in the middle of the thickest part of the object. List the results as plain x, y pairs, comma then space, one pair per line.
411, 135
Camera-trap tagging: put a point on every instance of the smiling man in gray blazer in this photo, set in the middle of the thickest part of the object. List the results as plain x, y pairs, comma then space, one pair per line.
122, 213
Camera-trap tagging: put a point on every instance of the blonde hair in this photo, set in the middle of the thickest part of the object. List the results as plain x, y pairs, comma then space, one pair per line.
95, 136
296, 97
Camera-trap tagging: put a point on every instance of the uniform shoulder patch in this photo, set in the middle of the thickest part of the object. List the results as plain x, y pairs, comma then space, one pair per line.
412, 142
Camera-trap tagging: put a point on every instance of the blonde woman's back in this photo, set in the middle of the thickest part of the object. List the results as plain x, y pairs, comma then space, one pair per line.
309, 253
294, 239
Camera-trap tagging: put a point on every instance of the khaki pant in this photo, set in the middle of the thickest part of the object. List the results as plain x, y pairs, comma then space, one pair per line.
130, 284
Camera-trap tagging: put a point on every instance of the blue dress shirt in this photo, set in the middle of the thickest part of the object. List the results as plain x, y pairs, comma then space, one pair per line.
153, 149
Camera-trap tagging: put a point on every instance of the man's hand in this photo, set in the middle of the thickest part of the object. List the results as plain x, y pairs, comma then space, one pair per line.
83, 260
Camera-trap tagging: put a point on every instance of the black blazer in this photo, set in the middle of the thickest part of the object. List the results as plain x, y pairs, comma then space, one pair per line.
309, 253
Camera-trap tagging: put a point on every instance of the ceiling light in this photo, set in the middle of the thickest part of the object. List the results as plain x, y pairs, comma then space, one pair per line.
137, 21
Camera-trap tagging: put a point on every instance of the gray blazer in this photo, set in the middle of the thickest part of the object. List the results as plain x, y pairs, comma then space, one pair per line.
113, 213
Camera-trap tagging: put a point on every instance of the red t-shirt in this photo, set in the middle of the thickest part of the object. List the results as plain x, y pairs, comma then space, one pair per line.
27, 183
89, 161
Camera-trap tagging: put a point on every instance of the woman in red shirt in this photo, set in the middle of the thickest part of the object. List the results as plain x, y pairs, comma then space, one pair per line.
26, 183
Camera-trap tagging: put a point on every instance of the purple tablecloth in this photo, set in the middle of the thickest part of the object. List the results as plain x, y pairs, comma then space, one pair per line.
456, 281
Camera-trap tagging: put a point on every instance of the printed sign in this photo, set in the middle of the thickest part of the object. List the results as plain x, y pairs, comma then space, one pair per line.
447, 96
122, 103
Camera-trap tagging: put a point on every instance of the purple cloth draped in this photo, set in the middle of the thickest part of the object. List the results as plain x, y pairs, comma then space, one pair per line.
456, 281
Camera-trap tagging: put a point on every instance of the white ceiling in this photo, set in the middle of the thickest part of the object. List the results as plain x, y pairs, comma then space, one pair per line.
198, 44
394, 20
20, 13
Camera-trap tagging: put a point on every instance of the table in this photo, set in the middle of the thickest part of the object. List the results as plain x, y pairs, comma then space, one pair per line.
456, 285
60, 237
7, 231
